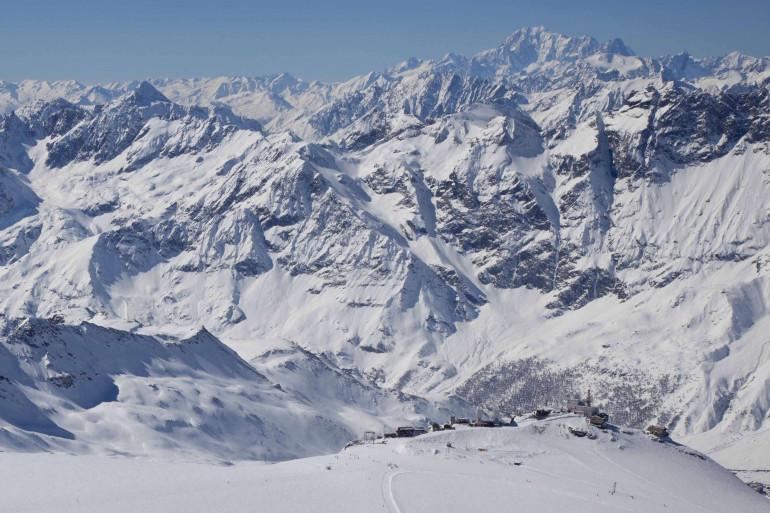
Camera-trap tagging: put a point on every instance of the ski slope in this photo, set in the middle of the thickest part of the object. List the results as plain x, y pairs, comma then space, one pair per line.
536, 466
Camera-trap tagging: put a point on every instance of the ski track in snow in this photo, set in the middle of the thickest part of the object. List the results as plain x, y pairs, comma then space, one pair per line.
387, 491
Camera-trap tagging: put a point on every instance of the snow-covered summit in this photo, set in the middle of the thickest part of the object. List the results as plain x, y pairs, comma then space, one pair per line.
537, 45
145, 95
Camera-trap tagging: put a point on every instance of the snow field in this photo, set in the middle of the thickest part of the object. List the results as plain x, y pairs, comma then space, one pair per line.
537, 466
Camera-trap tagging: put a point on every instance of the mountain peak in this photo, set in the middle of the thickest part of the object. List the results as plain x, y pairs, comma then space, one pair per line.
407, 65
529, 31
617, 46
538, 44
145, 94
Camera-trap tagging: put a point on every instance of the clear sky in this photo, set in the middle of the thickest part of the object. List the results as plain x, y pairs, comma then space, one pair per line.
98, 41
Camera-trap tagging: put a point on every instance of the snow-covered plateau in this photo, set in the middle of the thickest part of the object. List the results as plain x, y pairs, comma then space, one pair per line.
263, 268
537, 466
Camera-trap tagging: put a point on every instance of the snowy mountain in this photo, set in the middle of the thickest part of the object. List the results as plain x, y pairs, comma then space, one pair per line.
504, 230
182, 395
191, 396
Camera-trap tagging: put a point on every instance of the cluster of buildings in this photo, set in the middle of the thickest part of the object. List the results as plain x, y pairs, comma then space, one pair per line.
410, 431
583, 407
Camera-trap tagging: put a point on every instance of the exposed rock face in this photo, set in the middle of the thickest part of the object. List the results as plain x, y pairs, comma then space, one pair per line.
685, 128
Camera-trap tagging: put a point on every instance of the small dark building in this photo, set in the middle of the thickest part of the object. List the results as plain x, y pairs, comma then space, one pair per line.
405, 432
598, 420
484, 423
658, 431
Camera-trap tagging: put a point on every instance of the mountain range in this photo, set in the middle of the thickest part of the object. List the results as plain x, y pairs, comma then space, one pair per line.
503, 231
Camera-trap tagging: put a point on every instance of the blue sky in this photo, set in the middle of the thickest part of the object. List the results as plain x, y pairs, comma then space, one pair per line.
335, 39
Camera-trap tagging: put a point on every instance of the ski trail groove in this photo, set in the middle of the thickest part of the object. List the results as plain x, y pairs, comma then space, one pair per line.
387, 491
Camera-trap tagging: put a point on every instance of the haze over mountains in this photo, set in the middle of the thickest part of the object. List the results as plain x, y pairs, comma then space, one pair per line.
505, 230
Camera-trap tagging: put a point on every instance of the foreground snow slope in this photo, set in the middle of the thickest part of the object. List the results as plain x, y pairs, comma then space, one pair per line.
537, 466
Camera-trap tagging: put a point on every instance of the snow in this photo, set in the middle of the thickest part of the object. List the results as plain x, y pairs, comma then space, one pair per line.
609, 61
584, 136
538, 465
